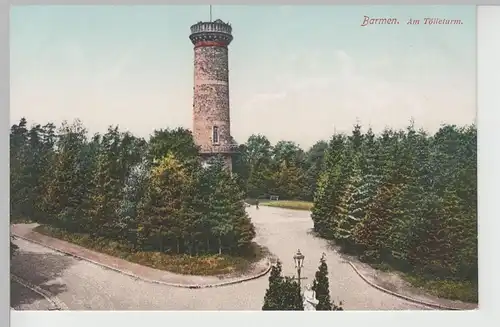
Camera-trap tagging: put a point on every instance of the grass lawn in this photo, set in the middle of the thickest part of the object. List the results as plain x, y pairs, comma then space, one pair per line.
203, 265
253, 201
453, 290
297, 205
449, 289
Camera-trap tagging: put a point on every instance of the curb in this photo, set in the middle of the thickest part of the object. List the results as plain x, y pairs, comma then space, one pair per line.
191, 286
58, 304
404, 297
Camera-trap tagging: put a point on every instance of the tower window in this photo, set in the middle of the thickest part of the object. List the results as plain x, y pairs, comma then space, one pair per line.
215, 134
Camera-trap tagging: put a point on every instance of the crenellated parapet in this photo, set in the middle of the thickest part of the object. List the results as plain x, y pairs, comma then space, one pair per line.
216, 33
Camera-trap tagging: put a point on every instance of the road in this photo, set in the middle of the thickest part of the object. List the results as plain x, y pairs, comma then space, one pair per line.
81, 285
23, 298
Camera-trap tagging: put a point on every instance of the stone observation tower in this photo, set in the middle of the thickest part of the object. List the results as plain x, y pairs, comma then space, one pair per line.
211, 119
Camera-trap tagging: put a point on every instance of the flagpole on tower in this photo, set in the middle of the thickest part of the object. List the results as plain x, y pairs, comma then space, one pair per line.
210, 12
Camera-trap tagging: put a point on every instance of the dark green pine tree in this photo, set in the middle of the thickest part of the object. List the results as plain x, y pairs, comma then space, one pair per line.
197, 208
329, 188
66, 192
351, 209
105, 199
18, 162
218, 221
370, 167
371, 234
323, 206
283, 293
272, 297
49, 138
226, 218
321, 286
291, 298
32, 172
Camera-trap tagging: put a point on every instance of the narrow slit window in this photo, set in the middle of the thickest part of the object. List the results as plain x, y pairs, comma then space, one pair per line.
215, 134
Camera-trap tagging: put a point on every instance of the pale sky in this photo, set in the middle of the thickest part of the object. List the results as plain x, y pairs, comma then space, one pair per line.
296, 72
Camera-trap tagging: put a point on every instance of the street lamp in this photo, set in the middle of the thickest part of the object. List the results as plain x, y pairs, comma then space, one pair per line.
299, 263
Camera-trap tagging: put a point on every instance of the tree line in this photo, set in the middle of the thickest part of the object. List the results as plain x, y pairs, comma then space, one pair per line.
153, 195
282, 169
405, 198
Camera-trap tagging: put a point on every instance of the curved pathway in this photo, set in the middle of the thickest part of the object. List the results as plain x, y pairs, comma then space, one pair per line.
81, 285
284, 231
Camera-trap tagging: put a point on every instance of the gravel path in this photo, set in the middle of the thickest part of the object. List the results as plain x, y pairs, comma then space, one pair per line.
85, 286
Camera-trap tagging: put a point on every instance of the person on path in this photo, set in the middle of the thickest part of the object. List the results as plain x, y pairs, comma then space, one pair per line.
257, 204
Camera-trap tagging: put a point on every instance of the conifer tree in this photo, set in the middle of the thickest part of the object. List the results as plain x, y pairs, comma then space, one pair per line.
291, 297
323, 207
67, 192
370, 168
272, 296
161, 209
18, 162
222, 206
283, 293
321, 286
48, 138
371, 233
352, 208
330, 188
226, 217
107, 186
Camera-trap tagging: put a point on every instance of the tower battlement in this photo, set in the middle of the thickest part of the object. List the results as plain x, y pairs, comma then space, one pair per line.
216, 32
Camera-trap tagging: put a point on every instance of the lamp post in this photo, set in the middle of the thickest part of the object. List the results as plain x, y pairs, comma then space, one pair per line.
299, 263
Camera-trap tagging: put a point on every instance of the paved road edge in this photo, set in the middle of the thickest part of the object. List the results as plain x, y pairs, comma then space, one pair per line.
191, 286
54, 300
401, 296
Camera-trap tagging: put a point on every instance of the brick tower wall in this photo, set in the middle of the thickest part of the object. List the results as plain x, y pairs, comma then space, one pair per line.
211, 97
